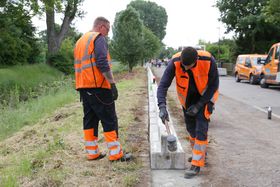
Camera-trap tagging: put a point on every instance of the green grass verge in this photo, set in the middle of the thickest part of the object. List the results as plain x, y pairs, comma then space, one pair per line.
28, 75
12, 119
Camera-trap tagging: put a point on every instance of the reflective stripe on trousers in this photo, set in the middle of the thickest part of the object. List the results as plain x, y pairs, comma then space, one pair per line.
198, 153
114, 148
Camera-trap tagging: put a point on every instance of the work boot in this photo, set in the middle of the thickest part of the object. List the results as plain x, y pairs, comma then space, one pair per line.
193, 171
125, 158
102, 155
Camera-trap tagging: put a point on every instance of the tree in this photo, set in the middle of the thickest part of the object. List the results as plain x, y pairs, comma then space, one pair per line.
154, 17
272, 11
69, 9
167, 52
223, 51
151, 44
245, 18
72, 34
127, 42
63, 60
18, 44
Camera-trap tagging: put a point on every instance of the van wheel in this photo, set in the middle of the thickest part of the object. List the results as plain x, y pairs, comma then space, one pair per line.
263, 84
252, 80
237, 78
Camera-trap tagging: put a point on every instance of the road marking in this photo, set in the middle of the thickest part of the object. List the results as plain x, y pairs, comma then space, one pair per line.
263, 110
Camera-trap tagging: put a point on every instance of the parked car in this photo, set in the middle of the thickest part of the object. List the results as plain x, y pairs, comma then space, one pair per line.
271, 68
249, 67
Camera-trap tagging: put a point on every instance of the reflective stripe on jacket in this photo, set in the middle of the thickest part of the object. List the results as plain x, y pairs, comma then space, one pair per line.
200, 75
86, 73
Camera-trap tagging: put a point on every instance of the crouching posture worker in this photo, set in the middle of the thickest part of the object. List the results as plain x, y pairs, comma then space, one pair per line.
95, 82
197, 83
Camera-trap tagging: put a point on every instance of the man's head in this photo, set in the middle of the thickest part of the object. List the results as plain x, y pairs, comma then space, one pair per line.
189, 57
101, 25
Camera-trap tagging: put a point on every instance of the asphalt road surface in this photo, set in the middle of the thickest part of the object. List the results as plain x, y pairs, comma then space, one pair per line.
243, 144
253, 95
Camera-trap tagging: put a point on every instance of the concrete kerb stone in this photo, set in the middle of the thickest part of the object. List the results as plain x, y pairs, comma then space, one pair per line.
161, 158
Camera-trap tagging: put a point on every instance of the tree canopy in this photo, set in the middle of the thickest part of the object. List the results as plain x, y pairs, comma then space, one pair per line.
127, 43
68, 9
272, 11
246, 18
151, 44
18, 44
154, 16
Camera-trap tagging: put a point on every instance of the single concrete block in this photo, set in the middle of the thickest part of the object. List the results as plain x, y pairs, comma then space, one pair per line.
166, 159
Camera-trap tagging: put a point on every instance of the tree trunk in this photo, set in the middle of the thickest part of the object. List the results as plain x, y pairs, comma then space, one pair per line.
51, 35
130, 67
55, 39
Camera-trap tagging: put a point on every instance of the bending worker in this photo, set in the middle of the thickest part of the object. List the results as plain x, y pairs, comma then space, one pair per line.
197, 83
96, 84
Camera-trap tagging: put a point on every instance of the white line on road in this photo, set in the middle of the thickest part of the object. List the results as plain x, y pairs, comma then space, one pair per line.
263, 110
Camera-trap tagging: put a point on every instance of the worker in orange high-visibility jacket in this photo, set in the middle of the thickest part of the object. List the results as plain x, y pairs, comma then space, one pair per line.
197, 83
96, 84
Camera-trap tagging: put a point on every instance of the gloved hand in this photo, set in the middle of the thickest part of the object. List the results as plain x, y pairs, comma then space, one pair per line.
114, 91
194, 109
163, 114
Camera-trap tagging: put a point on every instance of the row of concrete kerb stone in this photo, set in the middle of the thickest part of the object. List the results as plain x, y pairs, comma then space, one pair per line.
160, 157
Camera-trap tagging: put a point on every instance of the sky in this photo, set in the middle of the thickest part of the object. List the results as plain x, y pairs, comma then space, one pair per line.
188, 20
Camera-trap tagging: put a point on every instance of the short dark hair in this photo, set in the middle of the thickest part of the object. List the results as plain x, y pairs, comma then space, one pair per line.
188, 56
99, 21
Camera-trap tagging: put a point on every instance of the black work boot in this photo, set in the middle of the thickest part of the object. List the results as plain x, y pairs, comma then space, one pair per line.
125, 158
102, 155
193, 171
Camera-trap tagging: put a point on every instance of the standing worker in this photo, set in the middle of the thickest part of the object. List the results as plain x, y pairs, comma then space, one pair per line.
96, 84
197, 83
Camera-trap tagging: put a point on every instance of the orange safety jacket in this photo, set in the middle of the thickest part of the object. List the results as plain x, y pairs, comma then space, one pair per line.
86, 73
200, 74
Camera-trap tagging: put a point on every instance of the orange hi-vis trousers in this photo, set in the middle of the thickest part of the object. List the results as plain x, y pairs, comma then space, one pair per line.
114, 146
115, 149
198, 152
91, 144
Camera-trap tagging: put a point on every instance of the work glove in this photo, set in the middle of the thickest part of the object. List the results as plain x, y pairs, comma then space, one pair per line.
194, 109
163, 114
114, 91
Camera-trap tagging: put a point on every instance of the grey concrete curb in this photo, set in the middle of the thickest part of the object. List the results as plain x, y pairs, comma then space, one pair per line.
161, 158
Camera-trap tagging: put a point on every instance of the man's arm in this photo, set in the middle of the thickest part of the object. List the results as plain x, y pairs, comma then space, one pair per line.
165, 82
213, 83
109, 76
101, 49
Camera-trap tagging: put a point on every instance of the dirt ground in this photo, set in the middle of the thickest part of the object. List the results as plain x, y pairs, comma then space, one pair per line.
243, 145
51, 152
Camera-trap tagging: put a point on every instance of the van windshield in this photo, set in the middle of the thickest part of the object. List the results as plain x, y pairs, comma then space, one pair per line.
255, 60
